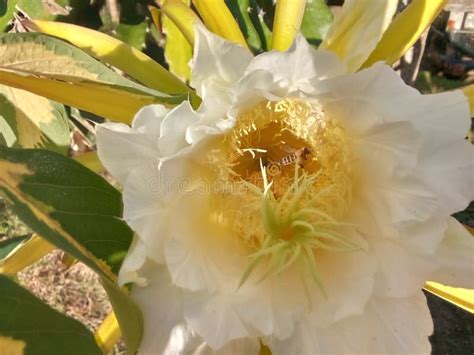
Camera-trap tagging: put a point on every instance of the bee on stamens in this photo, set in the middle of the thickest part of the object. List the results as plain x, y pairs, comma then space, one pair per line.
296, 157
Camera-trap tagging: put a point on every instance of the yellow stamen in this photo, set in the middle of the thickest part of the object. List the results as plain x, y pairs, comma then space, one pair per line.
293, 165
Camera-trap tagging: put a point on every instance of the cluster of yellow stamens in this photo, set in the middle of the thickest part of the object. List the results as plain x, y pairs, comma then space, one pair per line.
293, 169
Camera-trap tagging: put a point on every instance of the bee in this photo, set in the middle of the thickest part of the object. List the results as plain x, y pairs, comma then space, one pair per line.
296, 157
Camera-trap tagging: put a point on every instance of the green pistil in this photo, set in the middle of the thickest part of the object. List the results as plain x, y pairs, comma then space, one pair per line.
289, 237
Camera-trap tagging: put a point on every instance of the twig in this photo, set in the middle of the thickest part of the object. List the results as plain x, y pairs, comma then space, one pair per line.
114, 11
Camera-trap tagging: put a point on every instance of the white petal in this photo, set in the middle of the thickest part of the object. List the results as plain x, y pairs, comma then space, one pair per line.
217, 101
216, 59
122, 149
378, 89
357, 28
388, 326
193, 257
214, 320
303, 341
166, 332
449, 172
299, 64
424, 237
402, 272
184, 341
368, 99
222, 314
376, 99
444, 115
160, 302
447, 162
174, 129
348, 280
239, 347
134, 260
378, 95
213, 111
387, 149
410, 200
189, 265
227, 315
148, 120
455, 256
256, 86
395, 326
236, 347
148, 200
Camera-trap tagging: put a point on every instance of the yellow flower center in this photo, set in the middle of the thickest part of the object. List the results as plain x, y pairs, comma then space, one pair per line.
290, 169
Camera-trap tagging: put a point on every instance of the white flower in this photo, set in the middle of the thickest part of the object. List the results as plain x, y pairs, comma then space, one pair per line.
301, 206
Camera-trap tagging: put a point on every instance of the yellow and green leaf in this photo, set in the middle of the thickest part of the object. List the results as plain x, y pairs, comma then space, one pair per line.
31, 121
12, 346
29, 251
219, 19
461, 297
53, 9
112, 102
317, 19
182, 16
31, 327
39, 54
48, 67
178, 51
116, 53
10, 244
405, 30
108, 333
469, 93
246, 12
357, 28
77, 211
91, 161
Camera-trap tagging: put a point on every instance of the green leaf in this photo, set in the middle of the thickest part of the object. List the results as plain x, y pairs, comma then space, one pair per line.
79, 212
7, 245
316, 21
30, 324
116, 53
134, 35
37, 9
53, 9
3, 7
67, 204
7, 16
261, 26
7, 134
128, 315
31, 121
39, 54
47, 66
249, 15
241, 9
